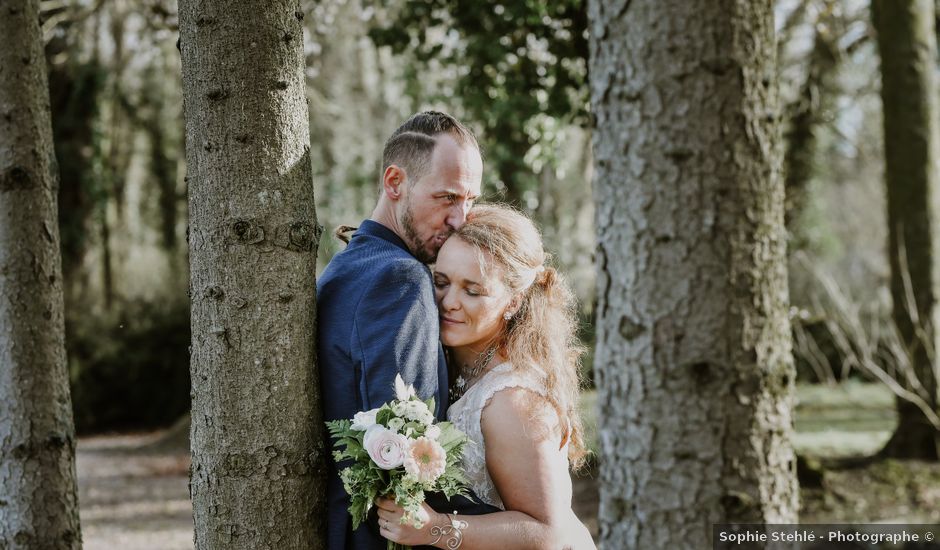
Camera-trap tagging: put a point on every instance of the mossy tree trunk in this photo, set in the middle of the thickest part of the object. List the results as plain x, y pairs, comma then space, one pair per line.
907, 45
38, 494
258, 456
693, 362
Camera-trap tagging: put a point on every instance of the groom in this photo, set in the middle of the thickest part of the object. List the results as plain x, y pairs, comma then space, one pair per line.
376, 313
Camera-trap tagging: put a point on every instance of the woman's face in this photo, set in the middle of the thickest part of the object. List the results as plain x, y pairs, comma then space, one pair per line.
471, 302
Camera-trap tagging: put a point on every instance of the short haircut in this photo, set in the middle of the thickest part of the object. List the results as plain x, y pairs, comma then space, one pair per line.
411, 145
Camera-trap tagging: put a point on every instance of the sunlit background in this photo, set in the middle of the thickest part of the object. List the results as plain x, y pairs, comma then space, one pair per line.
516, 72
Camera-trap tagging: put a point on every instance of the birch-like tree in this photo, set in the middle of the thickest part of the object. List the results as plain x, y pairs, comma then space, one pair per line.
258, 470
693, 362
38, 493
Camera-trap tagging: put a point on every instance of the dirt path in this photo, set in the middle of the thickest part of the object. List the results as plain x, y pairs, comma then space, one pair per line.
134, 495
133, 499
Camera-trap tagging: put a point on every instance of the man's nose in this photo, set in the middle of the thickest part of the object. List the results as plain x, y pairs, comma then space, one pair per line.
457, 215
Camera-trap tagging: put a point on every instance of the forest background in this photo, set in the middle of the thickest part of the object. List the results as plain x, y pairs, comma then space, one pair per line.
517, 73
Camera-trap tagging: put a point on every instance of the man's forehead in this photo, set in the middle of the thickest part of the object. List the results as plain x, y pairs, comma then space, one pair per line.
449, 151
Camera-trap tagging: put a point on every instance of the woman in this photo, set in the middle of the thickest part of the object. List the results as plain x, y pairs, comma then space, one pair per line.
508, 323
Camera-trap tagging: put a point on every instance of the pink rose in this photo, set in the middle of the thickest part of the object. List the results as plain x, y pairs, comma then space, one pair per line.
385, 447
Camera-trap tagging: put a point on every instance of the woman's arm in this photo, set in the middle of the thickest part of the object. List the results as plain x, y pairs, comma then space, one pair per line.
530, 472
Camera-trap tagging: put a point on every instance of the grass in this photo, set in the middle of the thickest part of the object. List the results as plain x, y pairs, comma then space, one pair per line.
849, 419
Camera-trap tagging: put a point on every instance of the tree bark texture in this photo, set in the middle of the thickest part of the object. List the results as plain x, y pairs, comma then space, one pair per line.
38, 494
693, 362
907, 45
258, 456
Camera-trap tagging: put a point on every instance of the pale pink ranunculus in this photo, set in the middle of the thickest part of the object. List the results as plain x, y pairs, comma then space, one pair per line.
426, 460
386, 448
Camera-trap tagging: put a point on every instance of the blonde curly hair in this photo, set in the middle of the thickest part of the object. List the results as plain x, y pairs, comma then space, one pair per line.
542, 332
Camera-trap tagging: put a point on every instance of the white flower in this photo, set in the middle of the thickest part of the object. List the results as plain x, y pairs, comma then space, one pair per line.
414, 410
363, 420
403, 391
432, 432
395, 424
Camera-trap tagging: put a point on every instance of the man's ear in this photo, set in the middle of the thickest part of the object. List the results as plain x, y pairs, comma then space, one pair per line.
393, 180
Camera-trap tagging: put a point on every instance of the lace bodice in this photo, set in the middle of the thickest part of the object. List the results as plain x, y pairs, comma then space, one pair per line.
466, 412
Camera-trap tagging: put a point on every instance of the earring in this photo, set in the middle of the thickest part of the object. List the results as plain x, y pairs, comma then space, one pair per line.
507, 316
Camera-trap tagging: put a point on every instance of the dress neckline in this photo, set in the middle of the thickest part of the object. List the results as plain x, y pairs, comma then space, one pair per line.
480, 379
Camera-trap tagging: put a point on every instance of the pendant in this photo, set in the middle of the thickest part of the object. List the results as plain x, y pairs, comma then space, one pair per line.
460, 386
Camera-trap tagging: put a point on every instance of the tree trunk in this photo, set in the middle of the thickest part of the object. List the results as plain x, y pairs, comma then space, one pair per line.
163, 168
258, 456
807, 114
76, 93
907, 45
693, 361
38, 495
107, 273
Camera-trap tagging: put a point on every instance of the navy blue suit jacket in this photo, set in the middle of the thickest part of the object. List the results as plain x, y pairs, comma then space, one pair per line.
376, 317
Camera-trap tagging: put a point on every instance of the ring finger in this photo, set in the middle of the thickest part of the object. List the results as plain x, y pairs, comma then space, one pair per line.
386, 518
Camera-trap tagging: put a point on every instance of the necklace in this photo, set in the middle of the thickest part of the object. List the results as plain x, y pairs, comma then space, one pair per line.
461, 384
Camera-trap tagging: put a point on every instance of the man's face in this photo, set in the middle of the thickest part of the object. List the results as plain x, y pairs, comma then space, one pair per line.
437, 203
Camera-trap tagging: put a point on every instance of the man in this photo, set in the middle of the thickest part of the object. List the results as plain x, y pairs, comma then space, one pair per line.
376, 311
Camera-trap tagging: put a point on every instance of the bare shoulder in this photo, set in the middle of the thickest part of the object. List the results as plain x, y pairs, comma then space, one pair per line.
519, 413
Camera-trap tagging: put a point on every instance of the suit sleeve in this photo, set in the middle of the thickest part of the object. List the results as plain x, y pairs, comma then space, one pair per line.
396, 332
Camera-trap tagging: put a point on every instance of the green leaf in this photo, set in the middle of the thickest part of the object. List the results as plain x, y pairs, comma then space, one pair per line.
384, 415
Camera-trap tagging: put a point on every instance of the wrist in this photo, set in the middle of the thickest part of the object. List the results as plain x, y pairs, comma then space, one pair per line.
435, 527
448, 533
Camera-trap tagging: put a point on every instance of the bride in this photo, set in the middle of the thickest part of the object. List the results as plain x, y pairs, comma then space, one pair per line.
508, 323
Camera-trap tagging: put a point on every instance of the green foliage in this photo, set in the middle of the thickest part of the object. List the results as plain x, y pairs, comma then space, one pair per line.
129, 370
520, 66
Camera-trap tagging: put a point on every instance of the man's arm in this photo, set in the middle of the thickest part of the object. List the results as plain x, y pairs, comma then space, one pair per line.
396, 332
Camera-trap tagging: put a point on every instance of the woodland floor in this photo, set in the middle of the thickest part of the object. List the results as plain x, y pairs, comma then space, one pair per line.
133, 488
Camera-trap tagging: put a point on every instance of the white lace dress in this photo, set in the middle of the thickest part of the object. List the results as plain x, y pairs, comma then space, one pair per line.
465, 413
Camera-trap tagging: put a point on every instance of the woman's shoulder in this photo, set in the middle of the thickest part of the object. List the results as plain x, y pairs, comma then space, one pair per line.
505, 377
517, 400
510, 373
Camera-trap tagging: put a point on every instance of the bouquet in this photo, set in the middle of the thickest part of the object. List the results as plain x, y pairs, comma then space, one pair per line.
398, 450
